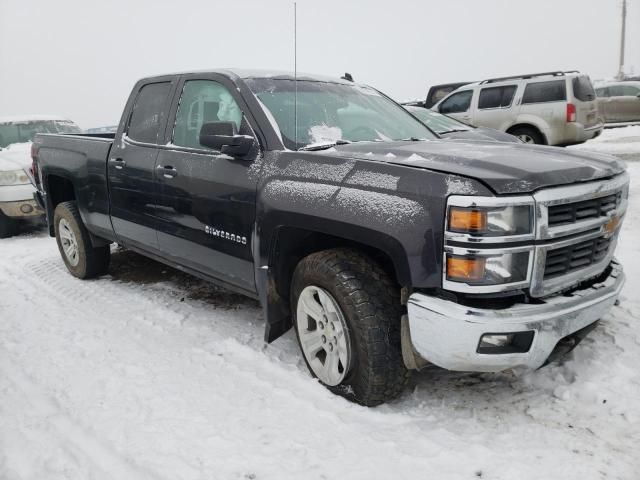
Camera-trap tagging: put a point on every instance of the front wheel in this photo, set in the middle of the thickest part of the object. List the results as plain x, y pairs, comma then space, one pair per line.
347, 320
82, 259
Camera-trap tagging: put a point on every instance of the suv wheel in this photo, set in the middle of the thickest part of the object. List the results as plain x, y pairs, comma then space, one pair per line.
528, 135
347, 320
82, 259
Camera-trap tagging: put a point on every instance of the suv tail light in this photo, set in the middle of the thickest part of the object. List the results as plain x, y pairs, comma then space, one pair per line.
571, 112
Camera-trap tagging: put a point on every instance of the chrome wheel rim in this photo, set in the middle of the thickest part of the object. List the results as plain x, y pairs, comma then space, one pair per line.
526, 138
324, 336
68, 242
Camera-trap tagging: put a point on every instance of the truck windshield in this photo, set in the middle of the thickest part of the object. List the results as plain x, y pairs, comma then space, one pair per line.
24, 131
334, 112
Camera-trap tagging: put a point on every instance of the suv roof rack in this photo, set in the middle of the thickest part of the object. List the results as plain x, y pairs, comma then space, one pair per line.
528, 75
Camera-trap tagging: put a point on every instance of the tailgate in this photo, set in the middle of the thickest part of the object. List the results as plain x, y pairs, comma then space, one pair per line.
585, 101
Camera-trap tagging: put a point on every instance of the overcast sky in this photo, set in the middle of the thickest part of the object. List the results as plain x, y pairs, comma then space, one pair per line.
79, 58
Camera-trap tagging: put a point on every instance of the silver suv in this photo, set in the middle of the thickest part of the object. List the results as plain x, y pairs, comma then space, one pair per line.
552, 108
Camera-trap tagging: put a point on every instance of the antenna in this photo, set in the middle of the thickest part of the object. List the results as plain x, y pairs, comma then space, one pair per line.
295, 72
622, 40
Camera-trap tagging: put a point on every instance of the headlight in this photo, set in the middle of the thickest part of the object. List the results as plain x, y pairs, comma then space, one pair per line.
491, 221
13, 177
479, 256
486, 268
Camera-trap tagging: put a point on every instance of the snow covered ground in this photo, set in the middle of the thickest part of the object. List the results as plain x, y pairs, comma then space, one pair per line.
151, 374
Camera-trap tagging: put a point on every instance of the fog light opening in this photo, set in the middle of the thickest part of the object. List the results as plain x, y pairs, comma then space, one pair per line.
26, 208
505, 342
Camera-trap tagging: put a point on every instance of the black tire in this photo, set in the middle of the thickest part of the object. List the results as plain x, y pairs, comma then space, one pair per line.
92, 261
370, 304
8, 226
528, 135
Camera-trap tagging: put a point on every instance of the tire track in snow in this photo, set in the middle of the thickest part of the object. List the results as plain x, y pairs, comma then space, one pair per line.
105, 458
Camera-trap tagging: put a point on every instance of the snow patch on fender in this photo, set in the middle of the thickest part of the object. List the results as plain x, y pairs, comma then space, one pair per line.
459, 186
374, 179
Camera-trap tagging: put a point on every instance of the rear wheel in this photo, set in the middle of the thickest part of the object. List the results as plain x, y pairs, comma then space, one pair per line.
528, 135
82, 259
347, 320
8, 226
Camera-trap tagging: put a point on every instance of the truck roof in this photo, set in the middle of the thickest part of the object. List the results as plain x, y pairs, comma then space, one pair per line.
251, 73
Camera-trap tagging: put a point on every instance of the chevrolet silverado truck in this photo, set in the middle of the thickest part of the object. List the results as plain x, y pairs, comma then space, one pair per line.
386, 247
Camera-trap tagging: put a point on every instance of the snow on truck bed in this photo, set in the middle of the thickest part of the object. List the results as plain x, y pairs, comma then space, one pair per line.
151, 374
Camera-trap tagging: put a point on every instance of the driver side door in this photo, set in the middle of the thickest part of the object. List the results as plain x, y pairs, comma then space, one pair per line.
207, 200
458, 106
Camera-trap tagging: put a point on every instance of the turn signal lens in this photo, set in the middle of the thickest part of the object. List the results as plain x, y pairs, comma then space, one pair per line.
467, 220
464, 269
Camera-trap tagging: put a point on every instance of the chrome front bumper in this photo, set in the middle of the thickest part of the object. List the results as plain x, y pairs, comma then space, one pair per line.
448, 334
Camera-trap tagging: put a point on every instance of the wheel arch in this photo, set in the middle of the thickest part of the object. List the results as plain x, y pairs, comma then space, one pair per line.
286, 245
527, 123
59, 189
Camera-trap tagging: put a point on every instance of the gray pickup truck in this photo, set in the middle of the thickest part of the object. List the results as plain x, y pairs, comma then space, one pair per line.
386, 247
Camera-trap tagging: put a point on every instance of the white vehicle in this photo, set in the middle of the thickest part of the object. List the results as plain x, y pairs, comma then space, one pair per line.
16, 191
553, 108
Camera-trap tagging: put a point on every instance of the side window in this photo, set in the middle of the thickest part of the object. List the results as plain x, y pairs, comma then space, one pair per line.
630, 90
602, 92
457, 103
496, 97
148, 111
203, 101
554, 91
616, 91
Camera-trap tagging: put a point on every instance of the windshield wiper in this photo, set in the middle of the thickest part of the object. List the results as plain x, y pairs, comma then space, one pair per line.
324, 145
412, 139
455, 130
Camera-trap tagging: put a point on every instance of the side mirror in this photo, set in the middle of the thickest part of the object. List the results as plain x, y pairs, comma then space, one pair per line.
223, 136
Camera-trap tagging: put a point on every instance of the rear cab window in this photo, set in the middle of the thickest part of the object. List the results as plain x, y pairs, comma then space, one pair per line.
583, 89
148, 113
496, 97
542, 92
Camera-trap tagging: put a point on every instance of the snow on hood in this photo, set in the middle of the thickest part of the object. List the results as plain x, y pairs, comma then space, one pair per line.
507, 168
16, 156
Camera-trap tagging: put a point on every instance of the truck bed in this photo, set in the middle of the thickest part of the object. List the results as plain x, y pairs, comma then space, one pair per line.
80, 159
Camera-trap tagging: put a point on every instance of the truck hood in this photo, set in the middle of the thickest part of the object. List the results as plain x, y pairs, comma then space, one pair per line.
15, 157
506, 168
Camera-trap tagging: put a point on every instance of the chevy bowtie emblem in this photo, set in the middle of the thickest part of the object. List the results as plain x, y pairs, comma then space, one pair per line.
611, 226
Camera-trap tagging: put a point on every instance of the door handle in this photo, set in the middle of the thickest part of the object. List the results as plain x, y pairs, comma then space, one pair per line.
119, 163
168, 171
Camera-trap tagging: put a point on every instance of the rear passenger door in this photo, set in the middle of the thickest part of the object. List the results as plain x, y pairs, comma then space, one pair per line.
207, 199
132, 162
547, 100
494, 104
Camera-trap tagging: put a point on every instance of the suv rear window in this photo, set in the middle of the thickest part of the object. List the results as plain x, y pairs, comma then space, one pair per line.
553, 91
148, 111
496, 97
582, 89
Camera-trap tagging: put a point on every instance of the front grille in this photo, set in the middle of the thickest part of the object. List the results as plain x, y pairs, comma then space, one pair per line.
568, 213
574, 257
